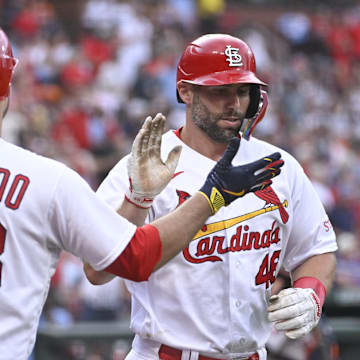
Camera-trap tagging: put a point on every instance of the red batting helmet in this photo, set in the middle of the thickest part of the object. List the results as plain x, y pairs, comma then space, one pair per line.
7, 65
219, 59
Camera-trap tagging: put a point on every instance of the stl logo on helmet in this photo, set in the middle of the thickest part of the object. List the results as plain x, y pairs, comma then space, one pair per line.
233, 56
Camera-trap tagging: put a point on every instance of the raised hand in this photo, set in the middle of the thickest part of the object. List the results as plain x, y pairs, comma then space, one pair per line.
226, 182
148, 174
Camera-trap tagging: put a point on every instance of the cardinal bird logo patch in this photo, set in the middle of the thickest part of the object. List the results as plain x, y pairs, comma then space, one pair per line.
183, 195
269, 196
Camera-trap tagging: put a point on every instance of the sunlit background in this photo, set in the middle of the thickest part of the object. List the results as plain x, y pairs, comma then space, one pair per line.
90, 71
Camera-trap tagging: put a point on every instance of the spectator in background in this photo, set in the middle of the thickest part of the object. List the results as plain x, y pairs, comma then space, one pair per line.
209, 12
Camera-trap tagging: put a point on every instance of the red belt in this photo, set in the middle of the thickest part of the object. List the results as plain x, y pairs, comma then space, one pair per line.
169, 353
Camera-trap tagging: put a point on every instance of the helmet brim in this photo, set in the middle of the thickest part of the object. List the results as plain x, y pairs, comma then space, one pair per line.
223, 78
233, 76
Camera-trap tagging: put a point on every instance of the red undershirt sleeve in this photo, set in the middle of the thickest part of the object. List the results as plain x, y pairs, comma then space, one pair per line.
140, 256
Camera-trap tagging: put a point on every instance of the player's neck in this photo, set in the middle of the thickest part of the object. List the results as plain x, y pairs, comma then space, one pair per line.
197, 139
4, 103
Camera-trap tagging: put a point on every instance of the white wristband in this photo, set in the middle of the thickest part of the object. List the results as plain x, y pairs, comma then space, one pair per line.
140, 200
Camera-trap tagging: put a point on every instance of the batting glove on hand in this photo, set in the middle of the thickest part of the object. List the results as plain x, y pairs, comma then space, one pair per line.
148, 174
225, 182
295, 310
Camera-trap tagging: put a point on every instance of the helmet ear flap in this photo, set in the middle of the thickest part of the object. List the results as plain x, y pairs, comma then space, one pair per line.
258, 116
7, 65
254, 101
6, 75
179, 99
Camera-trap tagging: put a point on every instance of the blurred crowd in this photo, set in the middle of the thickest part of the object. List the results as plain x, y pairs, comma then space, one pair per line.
90, 71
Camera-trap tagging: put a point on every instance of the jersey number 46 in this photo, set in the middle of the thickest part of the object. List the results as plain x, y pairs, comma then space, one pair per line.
267, 272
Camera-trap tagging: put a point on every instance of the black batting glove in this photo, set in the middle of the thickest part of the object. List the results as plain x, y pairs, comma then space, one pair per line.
225, 183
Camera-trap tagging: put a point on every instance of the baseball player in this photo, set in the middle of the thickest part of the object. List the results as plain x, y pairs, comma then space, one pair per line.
213, 300
45, 207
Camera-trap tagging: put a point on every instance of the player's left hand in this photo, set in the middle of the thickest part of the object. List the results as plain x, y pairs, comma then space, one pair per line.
226, 183
148, 174
295, 310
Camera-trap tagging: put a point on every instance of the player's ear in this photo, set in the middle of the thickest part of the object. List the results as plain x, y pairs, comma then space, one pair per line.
185, 91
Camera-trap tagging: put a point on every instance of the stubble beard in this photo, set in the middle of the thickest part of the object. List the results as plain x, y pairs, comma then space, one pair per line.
207, 122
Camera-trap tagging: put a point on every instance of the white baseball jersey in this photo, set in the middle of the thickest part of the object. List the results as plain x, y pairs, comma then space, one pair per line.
45, 207
212, 297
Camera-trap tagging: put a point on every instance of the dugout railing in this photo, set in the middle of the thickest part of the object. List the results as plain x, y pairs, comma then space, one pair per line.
110, 341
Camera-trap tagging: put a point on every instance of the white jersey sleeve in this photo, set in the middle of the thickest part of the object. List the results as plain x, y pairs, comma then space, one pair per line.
85, 224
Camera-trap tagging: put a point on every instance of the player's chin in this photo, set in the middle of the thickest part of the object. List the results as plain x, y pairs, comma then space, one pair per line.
225, 136
229, 133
